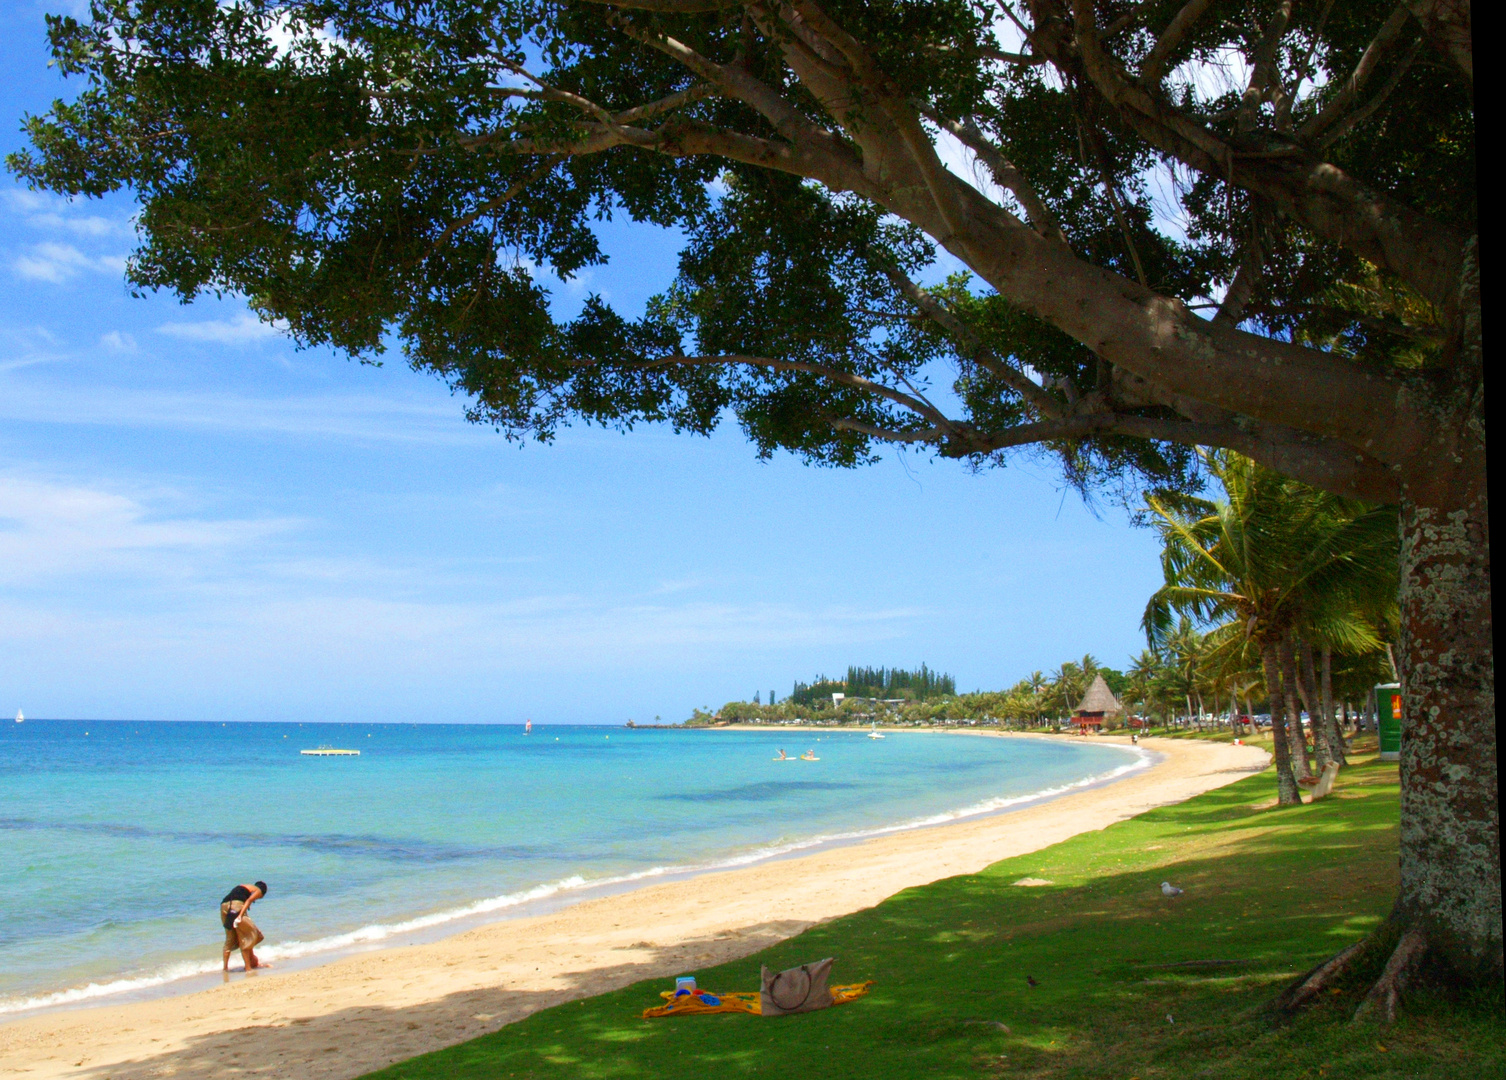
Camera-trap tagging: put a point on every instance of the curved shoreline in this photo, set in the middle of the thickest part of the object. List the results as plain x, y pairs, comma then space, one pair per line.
188, 977
388, 1004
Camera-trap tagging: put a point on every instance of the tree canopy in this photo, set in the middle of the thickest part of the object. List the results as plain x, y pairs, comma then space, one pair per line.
370, 171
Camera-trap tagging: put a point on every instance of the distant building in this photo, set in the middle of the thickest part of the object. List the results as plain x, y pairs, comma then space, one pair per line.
1097, 704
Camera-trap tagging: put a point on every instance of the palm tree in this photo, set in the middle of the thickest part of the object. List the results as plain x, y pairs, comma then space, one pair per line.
1037, 684
1143, 674
1068, 685
1271, 561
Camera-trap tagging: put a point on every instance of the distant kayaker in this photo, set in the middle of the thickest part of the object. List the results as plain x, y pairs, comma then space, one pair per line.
240, 932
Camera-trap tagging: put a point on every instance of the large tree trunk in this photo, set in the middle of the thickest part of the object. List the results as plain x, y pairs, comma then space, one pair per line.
1448, 909
1286, 782
1317, 717
1298, 740
1450, 816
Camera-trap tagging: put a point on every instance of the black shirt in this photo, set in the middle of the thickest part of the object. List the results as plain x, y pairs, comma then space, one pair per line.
240, 892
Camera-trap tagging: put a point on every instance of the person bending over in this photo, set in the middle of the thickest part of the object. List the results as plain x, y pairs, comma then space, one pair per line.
240, 932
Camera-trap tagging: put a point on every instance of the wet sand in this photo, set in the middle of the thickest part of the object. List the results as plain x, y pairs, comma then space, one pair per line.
361, 1012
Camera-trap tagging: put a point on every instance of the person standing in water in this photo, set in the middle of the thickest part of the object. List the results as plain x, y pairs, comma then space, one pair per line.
240, 932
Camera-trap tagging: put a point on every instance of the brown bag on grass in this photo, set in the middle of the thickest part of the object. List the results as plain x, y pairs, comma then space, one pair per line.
797, 990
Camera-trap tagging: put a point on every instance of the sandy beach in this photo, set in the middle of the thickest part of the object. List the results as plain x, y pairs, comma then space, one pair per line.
362, 1012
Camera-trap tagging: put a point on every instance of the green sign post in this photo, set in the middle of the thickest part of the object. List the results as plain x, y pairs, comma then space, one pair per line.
1388, 720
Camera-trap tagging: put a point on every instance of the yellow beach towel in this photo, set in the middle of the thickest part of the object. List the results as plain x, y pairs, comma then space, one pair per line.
742, 1001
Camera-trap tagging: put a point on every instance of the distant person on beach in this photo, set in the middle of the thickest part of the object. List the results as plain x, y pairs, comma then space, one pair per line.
240, 932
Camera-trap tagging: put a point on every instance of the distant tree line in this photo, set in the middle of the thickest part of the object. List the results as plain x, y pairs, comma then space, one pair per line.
922, 684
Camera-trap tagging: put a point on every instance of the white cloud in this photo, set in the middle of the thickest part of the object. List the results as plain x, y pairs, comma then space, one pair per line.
50, 529
117, 341
61, 215
555, 632
359, 417
23, 347
59, 263
244, 329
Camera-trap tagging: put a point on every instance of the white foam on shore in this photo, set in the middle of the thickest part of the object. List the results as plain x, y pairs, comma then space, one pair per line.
378, 932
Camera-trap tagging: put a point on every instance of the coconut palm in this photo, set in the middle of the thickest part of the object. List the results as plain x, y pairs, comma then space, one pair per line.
1270, 562
1144, 673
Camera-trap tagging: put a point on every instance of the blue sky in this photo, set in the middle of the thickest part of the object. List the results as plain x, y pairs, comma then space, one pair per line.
198, 521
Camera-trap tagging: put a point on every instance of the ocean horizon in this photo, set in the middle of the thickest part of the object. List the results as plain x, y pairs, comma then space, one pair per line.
122, 836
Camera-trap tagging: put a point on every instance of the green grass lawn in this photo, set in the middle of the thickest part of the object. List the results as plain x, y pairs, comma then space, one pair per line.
1130, 984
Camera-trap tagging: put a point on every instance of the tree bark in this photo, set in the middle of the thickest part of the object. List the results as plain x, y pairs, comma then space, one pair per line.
1315, 708
1450, 812
1298, 740
1330, 720
1450, 819
1286, 782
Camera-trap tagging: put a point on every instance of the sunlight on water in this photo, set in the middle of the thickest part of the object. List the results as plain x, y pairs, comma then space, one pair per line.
120, 842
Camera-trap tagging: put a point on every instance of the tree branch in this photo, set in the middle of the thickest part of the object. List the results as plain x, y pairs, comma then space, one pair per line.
985, 357
1423, 252
1262, 76
846, 378
1037, 213
1385, 42
1232, 309
1322, 462
671, 7
1111, 188
1447, 24
934, 434
1364, 112
901, 114
1154, 68
512, 192
1011, 57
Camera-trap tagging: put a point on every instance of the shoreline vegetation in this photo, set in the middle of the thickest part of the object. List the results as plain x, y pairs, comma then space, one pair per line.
1168, 694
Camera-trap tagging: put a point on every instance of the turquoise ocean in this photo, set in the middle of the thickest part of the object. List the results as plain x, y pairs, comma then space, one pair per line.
118, 839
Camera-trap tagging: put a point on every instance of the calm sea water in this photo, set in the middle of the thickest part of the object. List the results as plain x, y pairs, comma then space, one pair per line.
118, 839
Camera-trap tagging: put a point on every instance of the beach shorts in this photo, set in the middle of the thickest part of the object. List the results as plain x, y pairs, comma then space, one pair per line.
244, 936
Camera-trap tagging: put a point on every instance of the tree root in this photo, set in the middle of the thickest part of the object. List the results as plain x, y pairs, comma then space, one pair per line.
1379, 1005
1380, 1002
1319, 978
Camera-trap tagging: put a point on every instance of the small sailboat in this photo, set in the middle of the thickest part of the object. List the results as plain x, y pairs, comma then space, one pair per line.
873, 732
20, 718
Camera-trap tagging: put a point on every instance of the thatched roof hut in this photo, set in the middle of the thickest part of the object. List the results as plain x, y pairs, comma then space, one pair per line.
1097, 703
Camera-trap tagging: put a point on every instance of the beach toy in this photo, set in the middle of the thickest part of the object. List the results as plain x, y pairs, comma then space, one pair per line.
685, 984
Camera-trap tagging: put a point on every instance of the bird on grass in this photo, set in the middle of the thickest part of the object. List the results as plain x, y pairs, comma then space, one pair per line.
1030, 982
1169, 890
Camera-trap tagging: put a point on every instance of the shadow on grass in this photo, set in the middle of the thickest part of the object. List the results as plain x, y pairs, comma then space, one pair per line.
1097, 975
